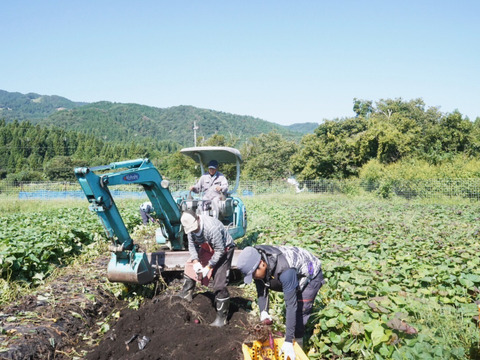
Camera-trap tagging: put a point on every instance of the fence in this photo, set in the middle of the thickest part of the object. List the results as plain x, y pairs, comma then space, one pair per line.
465, 188
72, 190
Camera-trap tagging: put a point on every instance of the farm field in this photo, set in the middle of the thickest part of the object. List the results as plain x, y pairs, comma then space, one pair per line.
403, 278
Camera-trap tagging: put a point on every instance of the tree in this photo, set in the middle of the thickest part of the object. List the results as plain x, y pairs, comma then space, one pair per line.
333, 151
362, 108
267, 157
455, 132
60, 168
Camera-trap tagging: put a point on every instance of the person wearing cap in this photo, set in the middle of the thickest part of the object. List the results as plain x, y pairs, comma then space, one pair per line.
211, 252
213, 184
292, 270
145, 210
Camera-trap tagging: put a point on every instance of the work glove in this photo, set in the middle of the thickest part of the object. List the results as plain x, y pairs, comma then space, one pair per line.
197, 267
266, 318
287, 351
205, 271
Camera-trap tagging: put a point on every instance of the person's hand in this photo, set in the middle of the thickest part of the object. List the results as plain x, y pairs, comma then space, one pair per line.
197, 267
287, 350
205, 271
192, 187
219, 189
266, 318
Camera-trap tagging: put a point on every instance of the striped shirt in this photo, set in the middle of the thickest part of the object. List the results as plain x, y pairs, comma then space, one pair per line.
214, 233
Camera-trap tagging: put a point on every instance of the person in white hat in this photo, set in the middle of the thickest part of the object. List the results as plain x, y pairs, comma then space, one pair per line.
145, 210
292, 270
211, 252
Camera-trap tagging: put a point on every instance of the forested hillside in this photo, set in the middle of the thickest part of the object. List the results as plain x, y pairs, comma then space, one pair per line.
33, 153
125, 122
304, 128
31, 106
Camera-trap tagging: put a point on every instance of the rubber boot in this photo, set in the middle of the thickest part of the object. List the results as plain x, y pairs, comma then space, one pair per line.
187, 290
222, 306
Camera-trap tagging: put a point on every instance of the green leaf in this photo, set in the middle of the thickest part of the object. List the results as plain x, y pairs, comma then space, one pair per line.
331, 323
372, 325
334, 337
330, 312
378, 335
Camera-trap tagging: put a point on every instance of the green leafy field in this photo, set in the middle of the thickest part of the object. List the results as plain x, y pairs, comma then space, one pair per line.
402, 277
38, 237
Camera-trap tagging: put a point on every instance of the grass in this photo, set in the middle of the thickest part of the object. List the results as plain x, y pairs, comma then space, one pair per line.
12, 205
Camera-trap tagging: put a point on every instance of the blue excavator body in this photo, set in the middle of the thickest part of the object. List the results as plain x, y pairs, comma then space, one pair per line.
128, 264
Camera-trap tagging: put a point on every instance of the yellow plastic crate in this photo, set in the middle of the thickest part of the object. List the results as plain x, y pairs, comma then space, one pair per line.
263, 351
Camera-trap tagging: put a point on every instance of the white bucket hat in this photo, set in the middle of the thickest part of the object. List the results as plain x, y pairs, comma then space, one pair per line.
189, 221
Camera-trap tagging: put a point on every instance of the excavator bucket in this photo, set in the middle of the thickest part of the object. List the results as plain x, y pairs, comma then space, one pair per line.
130, 268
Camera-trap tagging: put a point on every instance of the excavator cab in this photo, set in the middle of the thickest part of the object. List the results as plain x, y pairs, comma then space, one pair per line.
229, 209
128, 264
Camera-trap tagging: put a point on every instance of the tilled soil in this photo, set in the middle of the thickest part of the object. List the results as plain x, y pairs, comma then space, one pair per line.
169, 328
63, 319
56, 318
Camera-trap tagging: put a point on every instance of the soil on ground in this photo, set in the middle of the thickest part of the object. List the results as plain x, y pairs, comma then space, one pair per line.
168, 328
63, 320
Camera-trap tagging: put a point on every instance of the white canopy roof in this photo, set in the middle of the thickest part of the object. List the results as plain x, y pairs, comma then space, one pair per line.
222, 154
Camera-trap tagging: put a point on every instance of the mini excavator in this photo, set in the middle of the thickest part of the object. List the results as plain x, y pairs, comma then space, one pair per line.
130, 265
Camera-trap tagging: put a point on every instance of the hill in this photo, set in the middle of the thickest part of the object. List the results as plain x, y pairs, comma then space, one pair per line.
303, 128
126, 122
32, 106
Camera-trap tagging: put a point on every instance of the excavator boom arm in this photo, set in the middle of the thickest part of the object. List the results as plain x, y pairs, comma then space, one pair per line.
139, 171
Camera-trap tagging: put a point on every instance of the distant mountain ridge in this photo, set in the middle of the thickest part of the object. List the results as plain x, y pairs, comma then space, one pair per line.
126, 122
303, 128
17, 106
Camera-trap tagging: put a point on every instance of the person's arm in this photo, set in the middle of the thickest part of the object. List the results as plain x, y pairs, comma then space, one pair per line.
192, 248
262, 294
223, 184
198, 186
290, 284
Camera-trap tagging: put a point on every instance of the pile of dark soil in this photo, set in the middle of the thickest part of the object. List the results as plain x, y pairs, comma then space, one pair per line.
63, 319
168, 327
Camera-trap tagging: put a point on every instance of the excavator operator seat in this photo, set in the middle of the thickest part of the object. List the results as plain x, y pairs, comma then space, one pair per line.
190, 205
226, 208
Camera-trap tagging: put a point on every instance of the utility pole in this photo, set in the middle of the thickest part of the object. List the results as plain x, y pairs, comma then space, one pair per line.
195, 128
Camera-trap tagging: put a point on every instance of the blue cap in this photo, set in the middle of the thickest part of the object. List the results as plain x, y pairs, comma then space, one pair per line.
213, 164
248, 262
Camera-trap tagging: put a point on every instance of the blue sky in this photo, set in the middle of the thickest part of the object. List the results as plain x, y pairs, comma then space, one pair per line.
281, 61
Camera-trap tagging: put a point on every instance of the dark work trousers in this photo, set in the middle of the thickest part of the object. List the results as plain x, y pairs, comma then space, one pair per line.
305, 300
221, 273
144, 216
